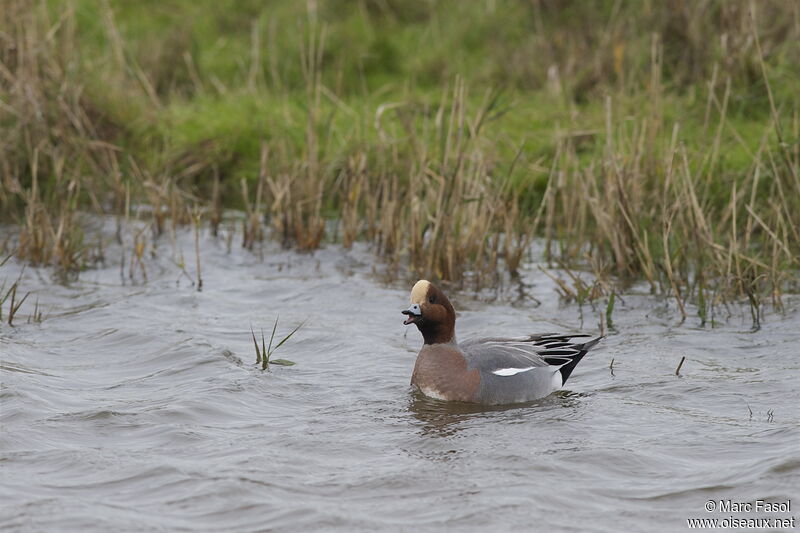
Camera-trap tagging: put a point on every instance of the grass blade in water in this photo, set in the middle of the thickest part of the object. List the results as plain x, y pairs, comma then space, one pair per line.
610, 310
271, 337
282, 362
255, 343
286, 338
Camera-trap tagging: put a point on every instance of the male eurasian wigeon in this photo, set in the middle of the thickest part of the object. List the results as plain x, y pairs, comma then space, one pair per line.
490, 371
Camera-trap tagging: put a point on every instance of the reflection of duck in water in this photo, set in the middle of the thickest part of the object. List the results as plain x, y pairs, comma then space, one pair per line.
491, 371
445, 419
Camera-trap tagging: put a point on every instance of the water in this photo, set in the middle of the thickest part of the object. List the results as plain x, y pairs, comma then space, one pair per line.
138, 406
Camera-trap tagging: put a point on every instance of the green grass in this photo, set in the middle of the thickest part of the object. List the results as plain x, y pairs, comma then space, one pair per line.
382, 52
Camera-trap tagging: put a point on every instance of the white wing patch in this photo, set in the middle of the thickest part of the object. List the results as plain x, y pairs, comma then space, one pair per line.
511, 371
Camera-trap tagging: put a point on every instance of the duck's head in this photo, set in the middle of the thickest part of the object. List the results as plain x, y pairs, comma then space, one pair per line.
432, 313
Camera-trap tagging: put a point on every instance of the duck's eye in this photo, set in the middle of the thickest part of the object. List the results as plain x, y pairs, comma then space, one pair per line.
432, 299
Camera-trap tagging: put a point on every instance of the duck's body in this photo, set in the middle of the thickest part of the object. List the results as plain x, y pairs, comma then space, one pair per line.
490, 371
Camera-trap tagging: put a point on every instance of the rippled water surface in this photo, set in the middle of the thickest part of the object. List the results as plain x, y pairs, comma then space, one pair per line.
137, 406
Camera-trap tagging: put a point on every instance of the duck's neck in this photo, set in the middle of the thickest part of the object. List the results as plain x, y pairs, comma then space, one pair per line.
439, 334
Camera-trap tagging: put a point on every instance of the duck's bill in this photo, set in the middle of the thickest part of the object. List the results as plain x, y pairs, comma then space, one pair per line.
413, 315
410, 320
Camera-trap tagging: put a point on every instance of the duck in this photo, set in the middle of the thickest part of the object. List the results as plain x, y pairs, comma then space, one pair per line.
486, 370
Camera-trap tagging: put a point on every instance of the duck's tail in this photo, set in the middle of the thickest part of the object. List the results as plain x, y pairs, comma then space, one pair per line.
568, 356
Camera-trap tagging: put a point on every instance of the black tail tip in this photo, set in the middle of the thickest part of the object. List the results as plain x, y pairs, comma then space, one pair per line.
584, 348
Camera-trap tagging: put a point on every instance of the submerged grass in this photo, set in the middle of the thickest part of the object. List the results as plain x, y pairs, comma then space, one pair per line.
11, 294
661, 144
14, 302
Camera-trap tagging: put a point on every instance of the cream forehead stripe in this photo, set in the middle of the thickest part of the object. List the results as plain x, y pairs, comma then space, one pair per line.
420, 291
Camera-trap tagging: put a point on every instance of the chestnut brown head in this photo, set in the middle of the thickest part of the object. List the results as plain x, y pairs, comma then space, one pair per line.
432, 313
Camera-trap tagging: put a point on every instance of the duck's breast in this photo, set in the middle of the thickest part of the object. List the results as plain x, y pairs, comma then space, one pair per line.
441, 372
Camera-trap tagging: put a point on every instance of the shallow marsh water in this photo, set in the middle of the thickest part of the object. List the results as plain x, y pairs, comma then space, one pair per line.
137, 406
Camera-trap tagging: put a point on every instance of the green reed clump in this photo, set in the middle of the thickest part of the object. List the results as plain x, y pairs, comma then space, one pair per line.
264, 354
